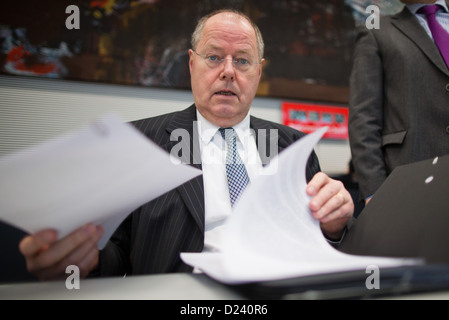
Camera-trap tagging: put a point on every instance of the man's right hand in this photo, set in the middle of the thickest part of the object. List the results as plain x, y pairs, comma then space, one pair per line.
47, 257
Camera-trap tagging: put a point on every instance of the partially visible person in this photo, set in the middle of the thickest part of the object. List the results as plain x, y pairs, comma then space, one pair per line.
399, 93
225, 67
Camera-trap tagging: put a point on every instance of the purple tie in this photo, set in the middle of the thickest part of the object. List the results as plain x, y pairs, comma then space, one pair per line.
440, 35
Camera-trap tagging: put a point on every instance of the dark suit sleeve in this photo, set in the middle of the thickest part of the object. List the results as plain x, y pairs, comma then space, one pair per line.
313, 166
114, 259
366, 113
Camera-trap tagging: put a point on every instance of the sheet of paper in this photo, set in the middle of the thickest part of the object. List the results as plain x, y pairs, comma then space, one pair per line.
272, 234
99, 174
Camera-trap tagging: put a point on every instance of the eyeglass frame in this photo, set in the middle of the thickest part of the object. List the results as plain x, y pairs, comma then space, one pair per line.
222, 60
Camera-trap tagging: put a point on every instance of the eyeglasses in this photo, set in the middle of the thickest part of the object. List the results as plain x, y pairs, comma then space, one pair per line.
240, 64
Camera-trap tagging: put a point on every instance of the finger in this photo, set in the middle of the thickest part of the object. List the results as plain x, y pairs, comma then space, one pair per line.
326, 194
91, 259
84, 259
82, 255
70, 243
52, 263
334, 202
49, 259
89, 262
340, 199
342, 212
33, 244
314, 185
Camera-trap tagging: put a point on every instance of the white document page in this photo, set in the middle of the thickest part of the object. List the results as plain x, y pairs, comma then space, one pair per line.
272, 235
98, 174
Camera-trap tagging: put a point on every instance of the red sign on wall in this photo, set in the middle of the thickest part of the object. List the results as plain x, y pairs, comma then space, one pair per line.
309, 117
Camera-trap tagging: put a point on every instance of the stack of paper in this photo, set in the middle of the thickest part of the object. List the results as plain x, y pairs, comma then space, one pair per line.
98, 175
272, 234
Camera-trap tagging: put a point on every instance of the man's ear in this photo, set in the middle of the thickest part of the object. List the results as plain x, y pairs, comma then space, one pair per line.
191, 53
261, 67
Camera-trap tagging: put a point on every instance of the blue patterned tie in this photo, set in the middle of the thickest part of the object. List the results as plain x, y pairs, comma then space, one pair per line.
235, 169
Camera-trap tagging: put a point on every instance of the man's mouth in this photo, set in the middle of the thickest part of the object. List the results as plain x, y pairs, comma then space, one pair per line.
225, 93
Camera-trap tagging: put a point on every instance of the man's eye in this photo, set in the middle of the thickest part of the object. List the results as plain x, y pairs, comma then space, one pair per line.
213, 58
242, 61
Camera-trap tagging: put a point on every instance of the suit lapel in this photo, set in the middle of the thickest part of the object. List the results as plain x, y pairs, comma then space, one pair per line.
406, 23
265, 138
192, 192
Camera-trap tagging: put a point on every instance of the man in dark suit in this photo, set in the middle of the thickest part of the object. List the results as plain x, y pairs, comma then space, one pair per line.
399, 95
225, 66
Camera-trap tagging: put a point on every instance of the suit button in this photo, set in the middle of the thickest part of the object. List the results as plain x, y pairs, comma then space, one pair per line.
447, 129
447, 87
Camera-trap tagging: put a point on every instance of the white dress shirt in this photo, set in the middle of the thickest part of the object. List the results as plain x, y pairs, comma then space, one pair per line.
216, 193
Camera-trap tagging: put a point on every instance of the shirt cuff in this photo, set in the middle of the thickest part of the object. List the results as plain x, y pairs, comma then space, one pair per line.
336, 243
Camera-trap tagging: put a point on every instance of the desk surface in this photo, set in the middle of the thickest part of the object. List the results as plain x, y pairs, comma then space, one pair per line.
152, 287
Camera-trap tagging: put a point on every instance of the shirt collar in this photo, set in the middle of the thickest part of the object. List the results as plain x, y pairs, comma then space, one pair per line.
207, 130
415, 7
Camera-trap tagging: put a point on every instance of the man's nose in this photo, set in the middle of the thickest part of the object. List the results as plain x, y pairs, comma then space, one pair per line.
228, 71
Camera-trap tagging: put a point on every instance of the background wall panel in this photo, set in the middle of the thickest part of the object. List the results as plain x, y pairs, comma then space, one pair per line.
33, 110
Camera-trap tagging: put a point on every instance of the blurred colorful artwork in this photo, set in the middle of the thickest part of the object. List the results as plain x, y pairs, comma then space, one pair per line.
145, 42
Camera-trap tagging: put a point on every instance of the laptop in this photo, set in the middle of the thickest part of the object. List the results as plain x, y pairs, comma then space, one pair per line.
407, 217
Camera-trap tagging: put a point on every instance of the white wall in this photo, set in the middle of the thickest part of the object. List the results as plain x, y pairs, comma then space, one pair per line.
36, 109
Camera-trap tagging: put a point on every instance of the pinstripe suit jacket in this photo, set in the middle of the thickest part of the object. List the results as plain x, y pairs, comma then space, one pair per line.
151, 238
